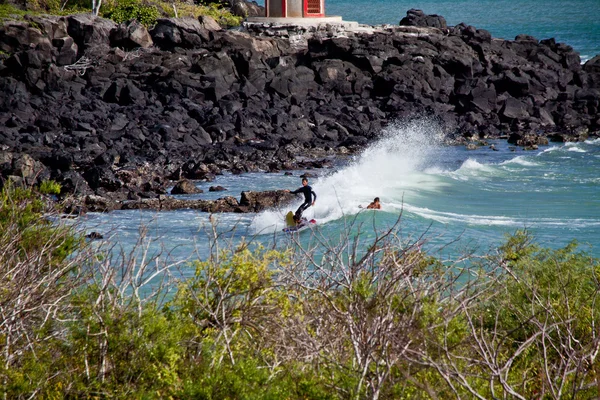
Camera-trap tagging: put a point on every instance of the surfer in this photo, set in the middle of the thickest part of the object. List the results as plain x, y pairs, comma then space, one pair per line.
308, 193
375, 205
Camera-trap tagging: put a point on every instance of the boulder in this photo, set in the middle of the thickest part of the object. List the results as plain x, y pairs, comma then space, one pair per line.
416, 17
185, 32
72, 182
94, 203
258, 201
130, 36
209, 23
102, 177
214, 99
185, 186
26, 167
67, 50
20, 35
89, 32
94, 235
513, 109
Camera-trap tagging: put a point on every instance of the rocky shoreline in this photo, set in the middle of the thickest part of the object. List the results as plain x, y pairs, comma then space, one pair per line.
117, 113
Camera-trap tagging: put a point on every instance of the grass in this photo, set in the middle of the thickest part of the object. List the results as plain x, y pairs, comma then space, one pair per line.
8, 11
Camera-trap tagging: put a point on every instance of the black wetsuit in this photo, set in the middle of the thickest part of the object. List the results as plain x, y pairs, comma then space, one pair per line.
308, 193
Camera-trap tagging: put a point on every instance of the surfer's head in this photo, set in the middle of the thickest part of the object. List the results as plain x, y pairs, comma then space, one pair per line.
304, 181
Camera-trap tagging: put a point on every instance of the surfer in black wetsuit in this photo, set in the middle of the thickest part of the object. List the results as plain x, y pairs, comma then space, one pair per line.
308, 193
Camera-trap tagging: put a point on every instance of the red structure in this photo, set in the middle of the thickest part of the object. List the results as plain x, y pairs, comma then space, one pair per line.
295, 8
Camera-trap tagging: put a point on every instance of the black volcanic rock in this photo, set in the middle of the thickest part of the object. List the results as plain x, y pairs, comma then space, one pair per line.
416, 17
185, 186
122, 121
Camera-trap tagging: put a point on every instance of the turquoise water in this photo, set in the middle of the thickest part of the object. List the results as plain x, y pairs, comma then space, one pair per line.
469, 199
575, 22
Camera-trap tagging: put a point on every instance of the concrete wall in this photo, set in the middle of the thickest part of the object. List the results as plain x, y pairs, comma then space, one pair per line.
295, 8
275, 8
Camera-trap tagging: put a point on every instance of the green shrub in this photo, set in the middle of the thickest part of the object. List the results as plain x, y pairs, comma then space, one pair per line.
128, 10
9, 11
37, 273
44, 5
222, 16
544, 299
50, 187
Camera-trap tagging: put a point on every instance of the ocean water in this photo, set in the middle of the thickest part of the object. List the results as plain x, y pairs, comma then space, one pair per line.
454, 200
575, 22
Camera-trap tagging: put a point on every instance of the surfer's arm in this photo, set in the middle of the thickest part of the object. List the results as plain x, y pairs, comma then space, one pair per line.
315, 196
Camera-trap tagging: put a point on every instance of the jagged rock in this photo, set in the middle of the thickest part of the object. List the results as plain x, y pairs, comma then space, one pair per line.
94, 235
102, 177
95, 203
209, 23
185, 186
419, 18
528, 141
182, 32
130, 36
258, 201
89, 31
72, 182
514, 109
25, 166
19, 35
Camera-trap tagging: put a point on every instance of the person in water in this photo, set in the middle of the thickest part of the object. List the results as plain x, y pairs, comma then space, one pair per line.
375, 205
308, 193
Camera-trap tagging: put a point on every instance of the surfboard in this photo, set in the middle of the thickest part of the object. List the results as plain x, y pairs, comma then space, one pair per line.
301, 227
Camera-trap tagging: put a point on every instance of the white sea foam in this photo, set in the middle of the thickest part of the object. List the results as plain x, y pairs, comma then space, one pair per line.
474, 165
576, 150
391, 168
549, 150
520, 160
499, 220
473, 169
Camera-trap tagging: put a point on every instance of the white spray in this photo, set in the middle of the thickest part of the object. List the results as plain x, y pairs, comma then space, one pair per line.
390, 168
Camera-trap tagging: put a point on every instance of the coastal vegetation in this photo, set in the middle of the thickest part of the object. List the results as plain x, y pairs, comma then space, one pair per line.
336, 319
144, 11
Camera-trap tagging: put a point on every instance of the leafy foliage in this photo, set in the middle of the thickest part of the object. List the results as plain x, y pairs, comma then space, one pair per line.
50, 187
36, 277
127, 10
9, 11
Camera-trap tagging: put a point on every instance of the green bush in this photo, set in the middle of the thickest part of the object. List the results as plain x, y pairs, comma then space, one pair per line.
9, 11
127, 10
37, 274
222, 15
50, 187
